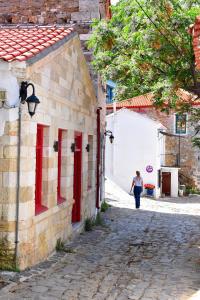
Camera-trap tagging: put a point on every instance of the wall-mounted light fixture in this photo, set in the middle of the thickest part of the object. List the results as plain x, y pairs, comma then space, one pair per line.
32, 100
110, 134
73, 146
55, 146
87, 148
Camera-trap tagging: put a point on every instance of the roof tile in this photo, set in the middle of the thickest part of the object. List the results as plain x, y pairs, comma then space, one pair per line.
8, 57
146, 101
20, 43
135, 102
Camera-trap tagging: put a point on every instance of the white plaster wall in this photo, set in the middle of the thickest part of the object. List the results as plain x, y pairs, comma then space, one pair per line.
8, 83
160, 157
135, 146
174, 183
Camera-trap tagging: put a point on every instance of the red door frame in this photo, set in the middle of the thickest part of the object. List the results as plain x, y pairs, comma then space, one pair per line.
98, 156
59, 163
77, 190
60, 199
38, 170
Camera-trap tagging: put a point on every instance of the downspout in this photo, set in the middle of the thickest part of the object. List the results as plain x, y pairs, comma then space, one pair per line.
98, 156
18, 187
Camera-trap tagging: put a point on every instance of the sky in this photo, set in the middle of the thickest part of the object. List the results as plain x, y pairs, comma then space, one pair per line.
114, 1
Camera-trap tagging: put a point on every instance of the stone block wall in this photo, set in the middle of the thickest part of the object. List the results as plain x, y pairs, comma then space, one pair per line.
33, 11
50, 11
64, 87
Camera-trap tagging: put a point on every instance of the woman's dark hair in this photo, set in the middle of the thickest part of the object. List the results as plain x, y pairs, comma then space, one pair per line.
138, 173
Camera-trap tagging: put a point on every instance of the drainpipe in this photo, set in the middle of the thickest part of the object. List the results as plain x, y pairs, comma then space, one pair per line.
18, 186
98, 156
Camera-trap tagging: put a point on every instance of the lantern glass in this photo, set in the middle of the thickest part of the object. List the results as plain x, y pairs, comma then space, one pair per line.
32, 102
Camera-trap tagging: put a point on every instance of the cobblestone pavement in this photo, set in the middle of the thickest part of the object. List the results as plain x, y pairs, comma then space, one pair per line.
146, 254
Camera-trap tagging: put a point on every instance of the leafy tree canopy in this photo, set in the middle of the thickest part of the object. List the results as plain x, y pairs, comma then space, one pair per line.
146, 47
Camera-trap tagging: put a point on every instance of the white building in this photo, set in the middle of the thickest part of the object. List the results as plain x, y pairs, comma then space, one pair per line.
138, 145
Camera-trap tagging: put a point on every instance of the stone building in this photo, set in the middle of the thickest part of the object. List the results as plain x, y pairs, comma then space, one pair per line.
179, 150
45, 12
48, 164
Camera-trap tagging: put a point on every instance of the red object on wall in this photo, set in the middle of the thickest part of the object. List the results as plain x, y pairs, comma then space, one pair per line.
38, 176
76, 211
60, 199
195, 31
98, 157
108, 9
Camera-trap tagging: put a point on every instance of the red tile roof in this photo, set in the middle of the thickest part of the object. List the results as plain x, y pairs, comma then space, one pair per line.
22, 43
196, 41
145, 101
135, 102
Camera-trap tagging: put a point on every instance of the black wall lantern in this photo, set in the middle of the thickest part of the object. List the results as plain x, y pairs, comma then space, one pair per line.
87, 148
73, 147
32, 100
110, 134
55, 146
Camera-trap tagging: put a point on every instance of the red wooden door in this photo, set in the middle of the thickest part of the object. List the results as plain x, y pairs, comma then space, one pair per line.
166, 183
38, 175
76, 211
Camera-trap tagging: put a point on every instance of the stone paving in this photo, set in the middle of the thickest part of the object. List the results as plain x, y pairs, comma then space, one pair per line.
146, 254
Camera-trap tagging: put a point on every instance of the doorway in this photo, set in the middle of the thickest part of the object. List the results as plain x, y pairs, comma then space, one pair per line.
77, 186
166, 183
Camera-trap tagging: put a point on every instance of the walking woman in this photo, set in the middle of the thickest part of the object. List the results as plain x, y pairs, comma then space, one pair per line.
138, 188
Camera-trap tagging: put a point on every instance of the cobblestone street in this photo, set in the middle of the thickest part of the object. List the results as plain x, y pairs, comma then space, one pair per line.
146, 254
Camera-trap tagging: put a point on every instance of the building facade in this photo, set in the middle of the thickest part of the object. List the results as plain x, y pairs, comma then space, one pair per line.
48, 162
45, 12
179, 151
139, 144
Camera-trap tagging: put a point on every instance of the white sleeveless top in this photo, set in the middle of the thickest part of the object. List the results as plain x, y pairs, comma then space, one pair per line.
138, 181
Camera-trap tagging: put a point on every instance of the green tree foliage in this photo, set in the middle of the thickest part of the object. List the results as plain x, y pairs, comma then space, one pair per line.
146, 47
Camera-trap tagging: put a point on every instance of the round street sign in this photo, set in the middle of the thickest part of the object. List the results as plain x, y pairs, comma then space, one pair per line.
149, 169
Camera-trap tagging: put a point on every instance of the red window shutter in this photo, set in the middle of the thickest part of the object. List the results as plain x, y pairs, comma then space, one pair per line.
38, 177
60, 199
77, 190
59, 161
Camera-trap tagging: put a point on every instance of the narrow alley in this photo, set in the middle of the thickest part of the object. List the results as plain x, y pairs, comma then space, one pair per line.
146, 254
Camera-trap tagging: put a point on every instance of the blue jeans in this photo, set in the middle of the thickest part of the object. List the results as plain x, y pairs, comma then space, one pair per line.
137, 192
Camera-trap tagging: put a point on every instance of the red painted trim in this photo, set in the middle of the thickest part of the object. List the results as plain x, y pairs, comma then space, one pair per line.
60, 199
59, 162
98, 157
108, 9
89, 186
39, 208
76, 211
